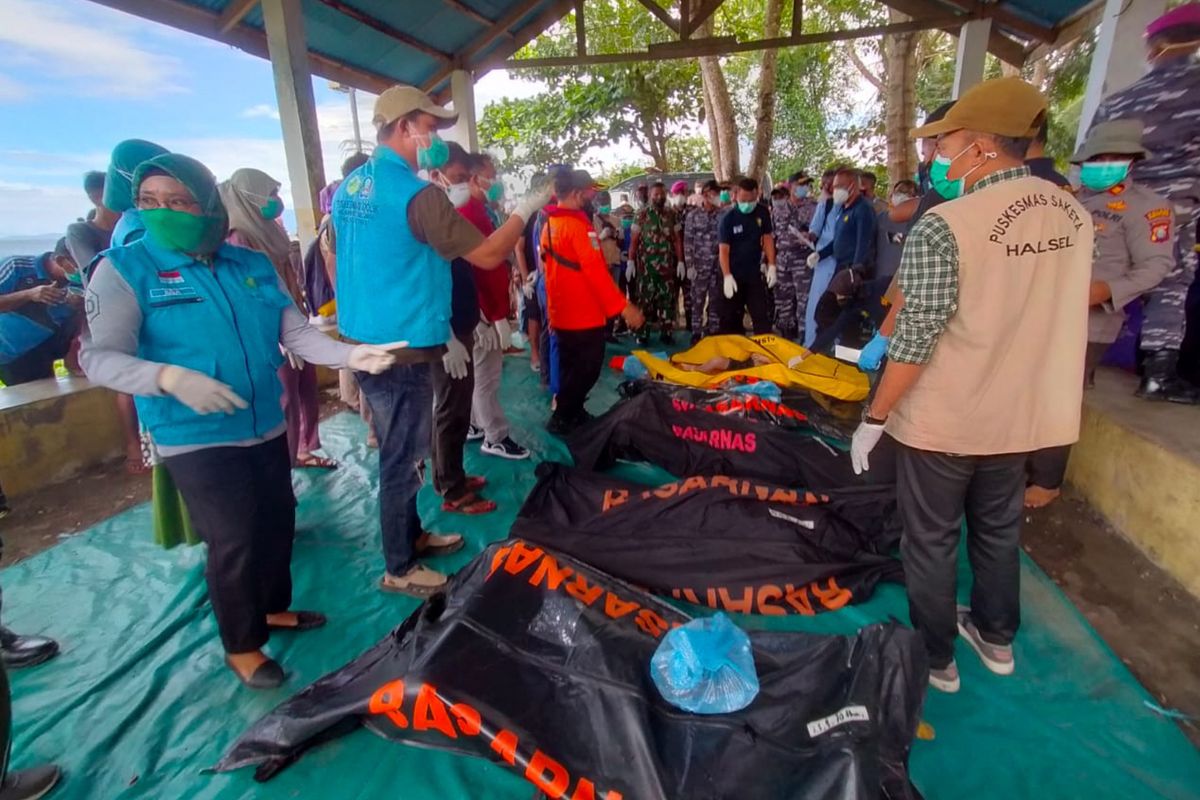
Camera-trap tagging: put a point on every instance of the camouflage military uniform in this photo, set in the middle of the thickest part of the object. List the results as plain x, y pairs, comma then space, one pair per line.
1165, 101
656, 265
793, 275
700, 254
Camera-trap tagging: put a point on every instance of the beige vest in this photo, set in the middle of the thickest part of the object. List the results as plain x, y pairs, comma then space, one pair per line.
1005, 374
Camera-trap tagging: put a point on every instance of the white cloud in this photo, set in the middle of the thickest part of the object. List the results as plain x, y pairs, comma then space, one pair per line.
98, 61
261, 110
11, 89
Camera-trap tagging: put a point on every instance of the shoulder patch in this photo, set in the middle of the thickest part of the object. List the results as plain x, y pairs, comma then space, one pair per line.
1118, 205
1158, 214
1160, 231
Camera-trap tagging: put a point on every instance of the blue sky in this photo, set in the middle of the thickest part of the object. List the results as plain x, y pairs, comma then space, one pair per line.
77, 77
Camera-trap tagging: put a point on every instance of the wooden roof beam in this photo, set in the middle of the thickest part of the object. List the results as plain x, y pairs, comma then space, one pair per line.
660, 12
1006, 19
234, 13
703, 11
391, 32
200, 21
1081, 24
999, 45
481, 42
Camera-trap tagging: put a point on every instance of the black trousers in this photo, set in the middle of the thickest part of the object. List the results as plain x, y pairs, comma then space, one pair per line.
751, 295
580, 360
451, 418
242, 506
936, 491
1047, 468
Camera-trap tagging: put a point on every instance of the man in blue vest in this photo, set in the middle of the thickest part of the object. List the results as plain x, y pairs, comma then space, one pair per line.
38, 316
395, 236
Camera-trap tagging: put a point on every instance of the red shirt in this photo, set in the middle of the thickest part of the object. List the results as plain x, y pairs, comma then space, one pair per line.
490, 284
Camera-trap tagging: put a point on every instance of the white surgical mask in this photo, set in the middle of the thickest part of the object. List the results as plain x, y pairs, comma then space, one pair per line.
459, 194
840, 196
899, 198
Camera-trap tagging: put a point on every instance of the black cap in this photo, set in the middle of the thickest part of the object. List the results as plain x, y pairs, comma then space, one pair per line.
567, 181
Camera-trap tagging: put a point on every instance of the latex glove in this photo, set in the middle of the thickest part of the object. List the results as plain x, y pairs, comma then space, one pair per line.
486, 337
681, 270
529, 286
730, 287
504, 331
296, 361
795, 361
533, 202
606, 233
865, 438
813, 260
872, 355
197, 391
691, 274
630, 270
456, 359
772, 276
374, 358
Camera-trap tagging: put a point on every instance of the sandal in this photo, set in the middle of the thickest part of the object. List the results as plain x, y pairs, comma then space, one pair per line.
470, 503
312, 461
305, 621
475, 483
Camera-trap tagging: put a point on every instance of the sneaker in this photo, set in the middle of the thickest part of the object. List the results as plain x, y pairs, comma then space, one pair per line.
420, 581
505, 448
996, 657
945, 679
474, 434
30, 784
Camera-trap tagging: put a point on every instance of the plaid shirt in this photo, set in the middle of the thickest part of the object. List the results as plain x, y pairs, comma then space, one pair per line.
929, 281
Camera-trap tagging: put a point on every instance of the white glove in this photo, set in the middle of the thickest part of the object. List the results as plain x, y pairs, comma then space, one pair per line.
813, 260
486, 337
680, 270
197, 391
374, 358
533, 202
530, 284
504, 331
296, 362
772, 276
796, 361
730, 287
630, 270
456, 359
691, 274
606, 233
865, 438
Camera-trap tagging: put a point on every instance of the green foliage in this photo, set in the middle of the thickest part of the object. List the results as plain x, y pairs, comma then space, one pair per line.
615, 175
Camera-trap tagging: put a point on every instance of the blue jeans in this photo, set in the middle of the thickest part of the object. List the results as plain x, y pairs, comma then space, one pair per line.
401, 402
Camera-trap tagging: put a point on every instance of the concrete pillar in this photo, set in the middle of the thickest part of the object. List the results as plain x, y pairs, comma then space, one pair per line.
972, 54
1120, 55
462, 93
284, 23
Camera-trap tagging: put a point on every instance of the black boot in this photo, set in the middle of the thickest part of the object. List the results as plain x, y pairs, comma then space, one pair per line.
1160, 381
25, 651
30, 784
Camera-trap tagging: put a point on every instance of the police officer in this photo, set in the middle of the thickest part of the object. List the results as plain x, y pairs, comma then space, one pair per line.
1165, 101
1132, 255
700, 256
983, 367
790, 216
395, 235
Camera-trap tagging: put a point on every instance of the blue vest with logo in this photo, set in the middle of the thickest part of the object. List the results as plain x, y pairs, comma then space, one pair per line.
222, 320
390, 285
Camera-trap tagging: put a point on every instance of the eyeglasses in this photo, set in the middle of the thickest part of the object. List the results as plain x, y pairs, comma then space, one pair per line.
148, 202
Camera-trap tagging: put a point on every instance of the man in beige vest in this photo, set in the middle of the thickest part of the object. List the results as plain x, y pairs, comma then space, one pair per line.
984, 368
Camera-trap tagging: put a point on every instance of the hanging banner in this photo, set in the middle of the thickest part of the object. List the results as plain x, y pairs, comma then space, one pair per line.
541, 663
733, 544
689, 441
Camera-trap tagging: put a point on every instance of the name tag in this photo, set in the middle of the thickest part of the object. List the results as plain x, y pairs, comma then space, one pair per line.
176, 293
738, 228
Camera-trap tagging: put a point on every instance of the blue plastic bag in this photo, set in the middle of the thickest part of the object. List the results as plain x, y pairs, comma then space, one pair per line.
768, 390
635, 370
706, 667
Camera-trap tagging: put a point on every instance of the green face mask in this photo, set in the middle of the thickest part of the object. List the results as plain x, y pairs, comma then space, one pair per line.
188, 233
272, 209
495, 192
605, 209
941, 184
724, 197
746, 208
435, 155
1100, 176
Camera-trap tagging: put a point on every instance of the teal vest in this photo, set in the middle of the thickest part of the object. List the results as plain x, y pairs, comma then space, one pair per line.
222, 321
390, 285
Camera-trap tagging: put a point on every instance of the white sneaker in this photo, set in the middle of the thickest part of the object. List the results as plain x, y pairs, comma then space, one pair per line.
945, 679
996, 657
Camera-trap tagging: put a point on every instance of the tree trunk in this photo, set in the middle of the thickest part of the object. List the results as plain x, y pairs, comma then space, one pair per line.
764, 132
714, 136
722, 111
900, 99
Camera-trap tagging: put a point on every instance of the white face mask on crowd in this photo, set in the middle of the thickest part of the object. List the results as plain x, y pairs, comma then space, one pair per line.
459, 194
900, 198
841, 195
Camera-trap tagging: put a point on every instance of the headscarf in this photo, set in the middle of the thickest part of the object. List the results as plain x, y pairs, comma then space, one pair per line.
244, 195
118, 181
200, 183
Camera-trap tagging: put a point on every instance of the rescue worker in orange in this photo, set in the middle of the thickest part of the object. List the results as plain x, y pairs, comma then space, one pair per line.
581, 296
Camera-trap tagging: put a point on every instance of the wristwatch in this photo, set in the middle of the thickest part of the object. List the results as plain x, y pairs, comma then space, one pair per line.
867, 418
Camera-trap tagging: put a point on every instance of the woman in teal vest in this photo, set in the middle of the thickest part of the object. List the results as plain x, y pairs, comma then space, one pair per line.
193, 329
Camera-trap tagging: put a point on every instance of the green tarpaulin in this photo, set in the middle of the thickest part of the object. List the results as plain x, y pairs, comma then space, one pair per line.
140, 702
